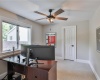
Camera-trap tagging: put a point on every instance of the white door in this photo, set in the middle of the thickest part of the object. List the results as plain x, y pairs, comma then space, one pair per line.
70, 42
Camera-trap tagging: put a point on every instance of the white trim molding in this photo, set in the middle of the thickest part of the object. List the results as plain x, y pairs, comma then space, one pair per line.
94, 71
58, 58
88, 62
82, 61
2, 75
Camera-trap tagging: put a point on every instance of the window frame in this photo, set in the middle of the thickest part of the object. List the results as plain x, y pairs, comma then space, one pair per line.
17, 35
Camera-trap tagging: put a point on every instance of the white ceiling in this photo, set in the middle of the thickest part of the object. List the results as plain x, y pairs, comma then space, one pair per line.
75, 10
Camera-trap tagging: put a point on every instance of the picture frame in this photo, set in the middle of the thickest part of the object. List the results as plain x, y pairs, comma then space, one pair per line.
51, 39
98, 39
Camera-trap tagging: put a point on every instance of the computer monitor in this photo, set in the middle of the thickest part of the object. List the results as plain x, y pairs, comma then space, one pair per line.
40, 52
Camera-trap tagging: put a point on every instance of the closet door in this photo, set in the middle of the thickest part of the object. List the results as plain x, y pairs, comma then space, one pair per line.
70, 42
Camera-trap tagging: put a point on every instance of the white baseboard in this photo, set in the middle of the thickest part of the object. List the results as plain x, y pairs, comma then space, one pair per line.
86, 61
58, 58
94, 71
2, 75
82, 61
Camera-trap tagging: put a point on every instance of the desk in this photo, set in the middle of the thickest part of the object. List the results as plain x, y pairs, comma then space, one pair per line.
45, 71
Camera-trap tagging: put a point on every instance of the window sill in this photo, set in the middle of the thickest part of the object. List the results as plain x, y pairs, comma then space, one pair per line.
4, 52
10, 53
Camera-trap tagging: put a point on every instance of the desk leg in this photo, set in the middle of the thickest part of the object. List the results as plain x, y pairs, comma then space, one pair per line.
10, 70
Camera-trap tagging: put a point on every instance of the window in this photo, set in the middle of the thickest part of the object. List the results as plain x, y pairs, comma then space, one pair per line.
9, 30
24, 37
14, 36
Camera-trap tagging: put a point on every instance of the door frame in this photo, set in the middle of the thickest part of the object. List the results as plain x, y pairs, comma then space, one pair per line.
63, 42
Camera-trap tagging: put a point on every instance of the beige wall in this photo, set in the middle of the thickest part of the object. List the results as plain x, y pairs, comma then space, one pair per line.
94, 56
3, 67
82, 38
13, 18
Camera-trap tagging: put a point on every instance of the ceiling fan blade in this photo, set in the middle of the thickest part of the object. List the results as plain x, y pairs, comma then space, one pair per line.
61, 18
58, 12
40, 13
40, 19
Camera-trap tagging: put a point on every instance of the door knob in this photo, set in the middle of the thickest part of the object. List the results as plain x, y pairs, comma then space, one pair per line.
72, 45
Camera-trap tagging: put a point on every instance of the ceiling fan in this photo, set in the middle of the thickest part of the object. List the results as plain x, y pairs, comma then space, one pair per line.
53, 16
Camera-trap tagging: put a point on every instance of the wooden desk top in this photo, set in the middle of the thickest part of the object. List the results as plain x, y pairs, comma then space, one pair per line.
46, 64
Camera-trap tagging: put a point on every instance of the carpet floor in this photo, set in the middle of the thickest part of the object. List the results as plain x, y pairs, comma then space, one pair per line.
70, 70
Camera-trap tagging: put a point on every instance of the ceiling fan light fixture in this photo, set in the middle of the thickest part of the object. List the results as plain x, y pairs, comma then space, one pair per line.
50, 20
